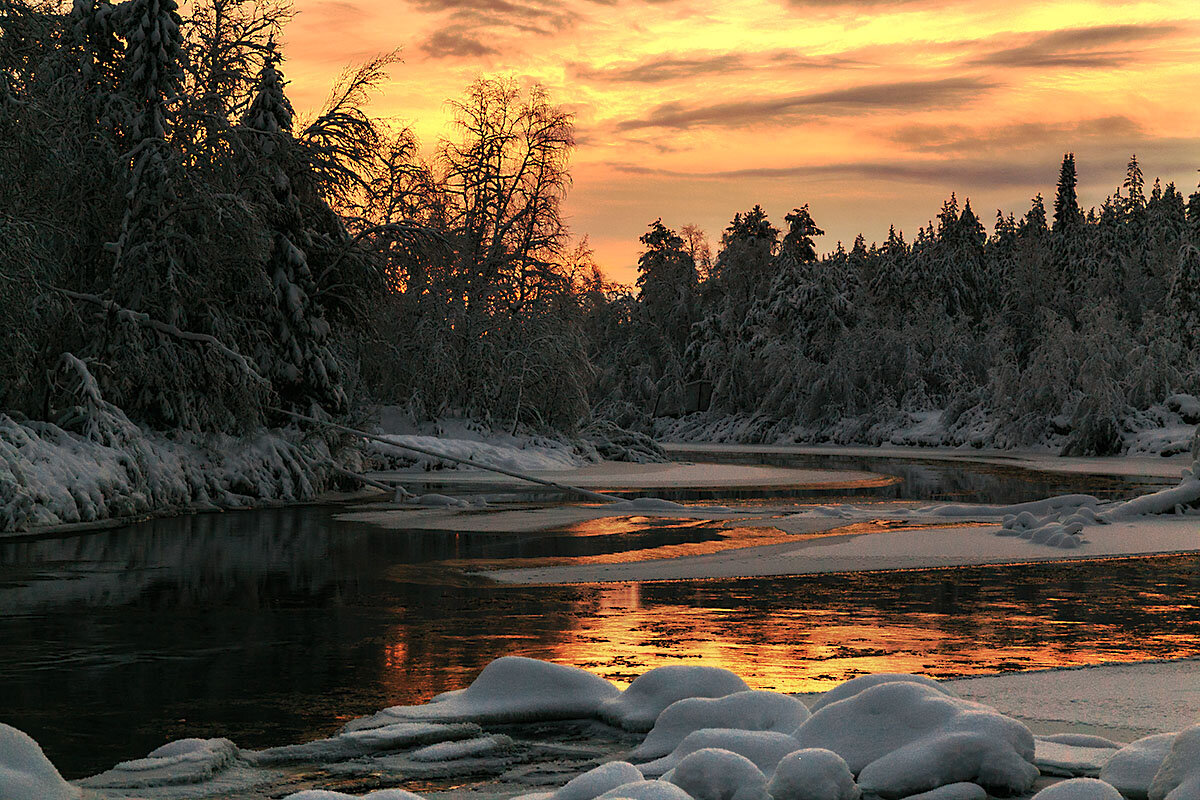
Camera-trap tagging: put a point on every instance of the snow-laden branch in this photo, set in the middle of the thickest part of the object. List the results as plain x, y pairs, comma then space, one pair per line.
146, 321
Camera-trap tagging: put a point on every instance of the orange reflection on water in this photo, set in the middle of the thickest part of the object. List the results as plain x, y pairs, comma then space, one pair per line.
808, 633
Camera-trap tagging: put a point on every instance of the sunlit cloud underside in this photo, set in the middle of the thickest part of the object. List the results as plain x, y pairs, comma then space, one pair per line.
871, 112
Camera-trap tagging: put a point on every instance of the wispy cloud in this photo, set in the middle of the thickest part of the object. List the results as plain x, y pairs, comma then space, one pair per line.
919, 94
668, 68
955, 138
455, 43
1095, 47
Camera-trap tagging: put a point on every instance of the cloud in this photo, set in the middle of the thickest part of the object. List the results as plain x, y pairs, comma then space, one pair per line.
665, 68
1095, 47
541, 17
950, 138
938, 172
864, 98
452, 43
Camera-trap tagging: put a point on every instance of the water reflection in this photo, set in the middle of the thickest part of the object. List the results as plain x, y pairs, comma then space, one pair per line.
273, 626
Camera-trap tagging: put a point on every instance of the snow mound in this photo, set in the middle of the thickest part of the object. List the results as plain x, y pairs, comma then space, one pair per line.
637, 708
763, 748
381, 794
184, 761
1132, 768
856, 685
596, 782
716, 774
26, 773
364, 742
1079, 789
747, 711
509, 689
952, 791
1179, 776
813, 774
646, 790
902, 738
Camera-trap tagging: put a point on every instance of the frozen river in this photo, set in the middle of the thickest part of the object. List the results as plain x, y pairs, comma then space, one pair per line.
276, 626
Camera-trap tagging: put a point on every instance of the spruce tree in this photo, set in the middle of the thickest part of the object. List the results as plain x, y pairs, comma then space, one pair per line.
297, 356
1067, 214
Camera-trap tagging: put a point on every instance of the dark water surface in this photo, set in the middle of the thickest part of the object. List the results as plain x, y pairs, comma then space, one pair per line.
274, 626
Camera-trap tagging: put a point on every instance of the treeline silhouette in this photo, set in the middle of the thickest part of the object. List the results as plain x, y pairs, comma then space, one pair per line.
1070, 330
176, 243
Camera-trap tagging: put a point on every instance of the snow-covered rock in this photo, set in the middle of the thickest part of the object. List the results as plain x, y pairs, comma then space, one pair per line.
1179, 776
509, 689
646, 790
856, 685
813, 774
1132, 768
183, 761
26, 773
595, 782
716, 774
902, 738
763, 748
748, 711
1079, 789
637, 708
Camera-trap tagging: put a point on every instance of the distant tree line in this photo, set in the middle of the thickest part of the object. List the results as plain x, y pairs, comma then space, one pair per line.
1055, 327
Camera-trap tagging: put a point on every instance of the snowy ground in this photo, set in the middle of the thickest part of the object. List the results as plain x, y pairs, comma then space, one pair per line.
1152, 466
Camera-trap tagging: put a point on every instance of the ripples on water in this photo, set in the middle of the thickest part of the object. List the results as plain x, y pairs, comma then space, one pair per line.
274, 626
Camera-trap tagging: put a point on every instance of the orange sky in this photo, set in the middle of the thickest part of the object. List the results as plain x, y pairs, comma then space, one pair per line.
870, 111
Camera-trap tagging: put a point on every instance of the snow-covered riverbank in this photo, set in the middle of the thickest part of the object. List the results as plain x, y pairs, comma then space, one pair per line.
554, 732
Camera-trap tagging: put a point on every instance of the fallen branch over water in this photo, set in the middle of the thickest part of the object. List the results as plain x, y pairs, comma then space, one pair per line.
589, 494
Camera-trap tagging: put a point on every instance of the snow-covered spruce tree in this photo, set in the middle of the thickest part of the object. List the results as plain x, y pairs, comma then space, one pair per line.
1183, 300
667, 294
296, 354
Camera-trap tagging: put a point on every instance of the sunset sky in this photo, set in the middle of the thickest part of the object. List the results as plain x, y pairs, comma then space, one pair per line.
870, 111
